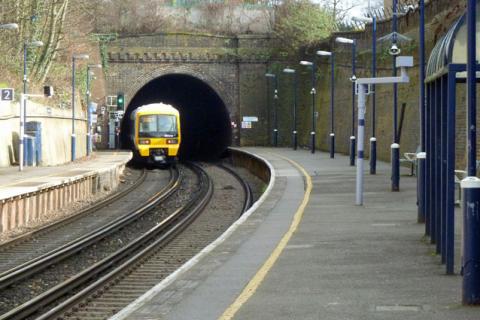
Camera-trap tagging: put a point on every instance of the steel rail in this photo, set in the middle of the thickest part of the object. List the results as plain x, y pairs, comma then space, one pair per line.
246, 187
35, 265
54, 225
166, 230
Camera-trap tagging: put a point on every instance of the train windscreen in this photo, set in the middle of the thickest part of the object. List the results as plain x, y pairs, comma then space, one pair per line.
157, 126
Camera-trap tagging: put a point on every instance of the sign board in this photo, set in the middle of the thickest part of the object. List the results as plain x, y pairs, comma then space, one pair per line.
7, 94
250, 119
116, 115
94, 118
246, 125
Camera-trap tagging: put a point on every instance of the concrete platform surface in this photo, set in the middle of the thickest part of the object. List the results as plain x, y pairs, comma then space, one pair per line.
14, 182
343, 262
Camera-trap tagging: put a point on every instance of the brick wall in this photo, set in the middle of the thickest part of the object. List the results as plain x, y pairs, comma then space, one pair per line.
440, 15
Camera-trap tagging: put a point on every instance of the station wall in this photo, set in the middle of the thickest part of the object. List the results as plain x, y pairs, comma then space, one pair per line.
440, 15
56, 133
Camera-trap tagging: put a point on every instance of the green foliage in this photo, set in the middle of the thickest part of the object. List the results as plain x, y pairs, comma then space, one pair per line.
301, 22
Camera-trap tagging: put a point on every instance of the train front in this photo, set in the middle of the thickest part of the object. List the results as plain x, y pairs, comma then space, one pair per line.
157, 133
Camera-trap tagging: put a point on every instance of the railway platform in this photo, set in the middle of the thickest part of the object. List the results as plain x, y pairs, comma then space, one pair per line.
33, 193
307, 252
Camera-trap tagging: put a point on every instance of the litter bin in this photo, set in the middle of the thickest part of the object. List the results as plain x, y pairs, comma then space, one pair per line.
29, 152
34, 129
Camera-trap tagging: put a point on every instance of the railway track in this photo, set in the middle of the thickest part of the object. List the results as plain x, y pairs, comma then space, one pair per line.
21, 283
114, 280
115, 291
32, 244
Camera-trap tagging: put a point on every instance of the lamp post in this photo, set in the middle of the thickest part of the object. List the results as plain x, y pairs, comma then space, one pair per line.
332, 99
75, 57
421, 156
373, 138
26, 45
313, 69
394, 37
294, 119
352, 42
89, 110
395, 147
275, 98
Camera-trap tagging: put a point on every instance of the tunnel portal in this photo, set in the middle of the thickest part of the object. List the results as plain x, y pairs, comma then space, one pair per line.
205, 122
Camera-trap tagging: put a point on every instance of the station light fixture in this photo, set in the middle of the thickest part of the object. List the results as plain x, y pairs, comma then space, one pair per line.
323, 53
344, 40
306, 63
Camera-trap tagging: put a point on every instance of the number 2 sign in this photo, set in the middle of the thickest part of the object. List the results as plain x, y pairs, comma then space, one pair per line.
7, 94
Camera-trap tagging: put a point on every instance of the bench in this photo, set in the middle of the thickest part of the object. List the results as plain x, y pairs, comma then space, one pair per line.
410, 158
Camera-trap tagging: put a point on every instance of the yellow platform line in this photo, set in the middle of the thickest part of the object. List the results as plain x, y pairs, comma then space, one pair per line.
257, 280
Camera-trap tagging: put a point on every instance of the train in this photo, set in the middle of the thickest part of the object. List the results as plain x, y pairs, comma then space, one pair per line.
155, 134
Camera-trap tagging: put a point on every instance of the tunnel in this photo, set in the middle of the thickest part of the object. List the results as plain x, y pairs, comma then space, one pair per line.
204, 119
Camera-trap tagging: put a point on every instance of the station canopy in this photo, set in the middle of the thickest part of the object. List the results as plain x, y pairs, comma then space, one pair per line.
452, 48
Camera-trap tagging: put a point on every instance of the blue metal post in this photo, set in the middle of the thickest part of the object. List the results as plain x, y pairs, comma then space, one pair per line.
428, 154
73, 110
332, 105
373, 139
294, 109
450, 217
432, 162
443, 169
25, 56
89, 115
438, 165
313, 92
352, 137
269, 117
421, 160
395, 146
275, 113
295, 98
471, 184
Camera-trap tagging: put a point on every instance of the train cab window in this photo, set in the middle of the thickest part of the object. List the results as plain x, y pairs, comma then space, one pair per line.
157, 126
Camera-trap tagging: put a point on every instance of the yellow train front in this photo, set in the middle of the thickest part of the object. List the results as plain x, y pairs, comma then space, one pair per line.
156, 133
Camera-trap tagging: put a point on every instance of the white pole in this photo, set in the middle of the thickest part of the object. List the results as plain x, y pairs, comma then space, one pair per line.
362, 91
22, 131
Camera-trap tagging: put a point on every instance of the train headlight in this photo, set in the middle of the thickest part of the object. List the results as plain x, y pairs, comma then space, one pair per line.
172, 141
144, 141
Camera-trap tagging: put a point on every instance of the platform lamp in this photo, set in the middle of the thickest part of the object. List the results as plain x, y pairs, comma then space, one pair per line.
395, 39
313, 92
373, 138
294, 111
332, 98
421, 156
89, 110
26, 46
275, 116
75, 57
353, 43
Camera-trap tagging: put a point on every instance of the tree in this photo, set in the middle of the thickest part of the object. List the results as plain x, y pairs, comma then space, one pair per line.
301, 22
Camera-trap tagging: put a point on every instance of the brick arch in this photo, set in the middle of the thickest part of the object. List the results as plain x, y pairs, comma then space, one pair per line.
221, 88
